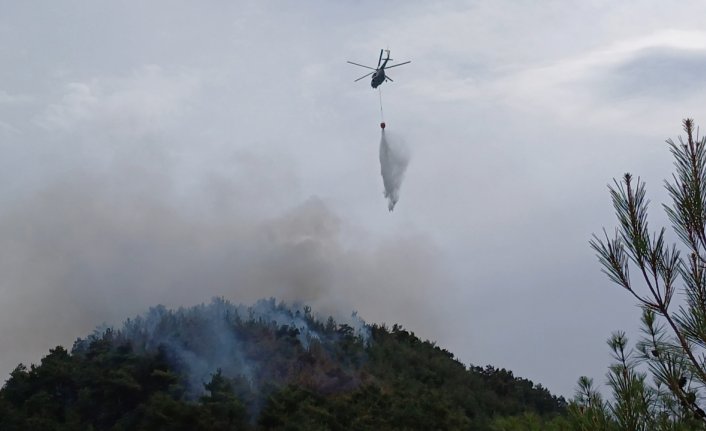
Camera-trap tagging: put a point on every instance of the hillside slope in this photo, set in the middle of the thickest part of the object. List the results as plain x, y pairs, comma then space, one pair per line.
268, 366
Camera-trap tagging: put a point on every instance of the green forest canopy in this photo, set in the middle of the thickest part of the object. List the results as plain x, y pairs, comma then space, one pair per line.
275, 367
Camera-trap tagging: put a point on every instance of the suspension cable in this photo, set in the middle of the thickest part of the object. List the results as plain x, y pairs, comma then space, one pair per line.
382, 117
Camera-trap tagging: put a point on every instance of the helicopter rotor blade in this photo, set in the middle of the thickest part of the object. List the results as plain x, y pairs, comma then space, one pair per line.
364, 76
367, 67
380, 59
398, 64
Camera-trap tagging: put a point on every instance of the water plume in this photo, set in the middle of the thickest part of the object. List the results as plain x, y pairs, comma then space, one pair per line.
394, 158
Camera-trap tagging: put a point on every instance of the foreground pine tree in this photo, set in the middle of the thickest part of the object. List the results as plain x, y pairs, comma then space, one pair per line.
661, 383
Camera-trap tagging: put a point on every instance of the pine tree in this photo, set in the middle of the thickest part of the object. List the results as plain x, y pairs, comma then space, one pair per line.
641, 262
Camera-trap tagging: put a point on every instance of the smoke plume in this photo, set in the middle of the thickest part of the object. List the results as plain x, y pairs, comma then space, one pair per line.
394, 158
124, 194
88, 248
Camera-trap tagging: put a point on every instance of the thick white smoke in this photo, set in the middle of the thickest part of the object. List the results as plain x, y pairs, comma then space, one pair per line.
394, 158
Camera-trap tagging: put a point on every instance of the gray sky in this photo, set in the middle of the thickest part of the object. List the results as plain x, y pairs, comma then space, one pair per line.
170, 151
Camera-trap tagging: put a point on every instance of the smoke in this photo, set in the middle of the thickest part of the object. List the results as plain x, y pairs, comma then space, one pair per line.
236, 339
86, 248
394, 158
122, 194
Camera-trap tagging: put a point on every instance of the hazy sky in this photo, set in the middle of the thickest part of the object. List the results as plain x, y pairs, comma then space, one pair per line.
171, 151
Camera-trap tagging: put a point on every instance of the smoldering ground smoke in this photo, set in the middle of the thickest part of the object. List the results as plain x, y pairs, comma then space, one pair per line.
233, 338
394, 158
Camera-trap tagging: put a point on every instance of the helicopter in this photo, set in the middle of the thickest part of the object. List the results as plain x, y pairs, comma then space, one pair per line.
379, 72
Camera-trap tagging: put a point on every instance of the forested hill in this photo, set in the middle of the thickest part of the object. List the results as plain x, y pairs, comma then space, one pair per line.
269, 366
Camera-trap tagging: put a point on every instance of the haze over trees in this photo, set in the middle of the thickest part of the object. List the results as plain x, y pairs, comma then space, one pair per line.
268, 366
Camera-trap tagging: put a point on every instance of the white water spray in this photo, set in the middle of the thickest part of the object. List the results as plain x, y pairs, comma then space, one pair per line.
394, 158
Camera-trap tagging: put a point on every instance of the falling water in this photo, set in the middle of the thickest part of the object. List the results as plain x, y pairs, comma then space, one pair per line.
394, 159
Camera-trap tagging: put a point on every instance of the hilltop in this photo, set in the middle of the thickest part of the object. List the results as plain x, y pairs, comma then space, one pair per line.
266, 366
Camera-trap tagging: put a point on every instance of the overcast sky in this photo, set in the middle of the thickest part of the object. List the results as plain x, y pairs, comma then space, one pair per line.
171, 151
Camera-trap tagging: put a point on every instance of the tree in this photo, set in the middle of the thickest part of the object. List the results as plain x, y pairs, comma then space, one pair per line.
226, 410
674, 343
588, 411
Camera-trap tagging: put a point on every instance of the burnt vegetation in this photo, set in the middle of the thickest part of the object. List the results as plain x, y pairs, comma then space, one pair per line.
219, 366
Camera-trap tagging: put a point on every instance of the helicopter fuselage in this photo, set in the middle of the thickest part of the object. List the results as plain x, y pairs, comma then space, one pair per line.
379, 75
378, 78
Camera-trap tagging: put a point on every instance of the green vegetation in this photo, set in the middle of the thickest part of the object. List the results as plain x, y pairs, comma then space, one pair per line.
672, 350
301, 375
